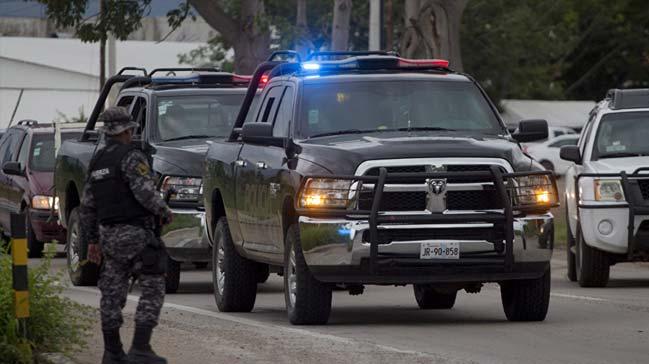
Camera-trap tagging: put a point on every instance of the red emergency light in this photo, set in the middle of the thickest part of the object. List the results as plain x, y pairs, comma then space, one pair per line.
414, 63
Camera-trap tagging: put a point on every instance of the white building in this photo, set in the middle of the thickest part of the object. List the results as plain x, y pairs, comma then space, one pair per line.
62, 75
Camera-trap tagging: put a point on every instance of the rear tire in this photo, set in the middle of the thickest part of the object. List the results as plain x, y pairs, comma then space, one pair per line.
233, 276
172, 277
263, 273
200, 265
526, 299
82, 272
430, 299
33, 244
308, 301
592, 265
570, 256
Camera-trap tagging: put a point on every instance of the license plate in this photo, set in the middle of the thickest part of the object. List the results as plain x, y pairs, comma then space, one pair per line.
430, 250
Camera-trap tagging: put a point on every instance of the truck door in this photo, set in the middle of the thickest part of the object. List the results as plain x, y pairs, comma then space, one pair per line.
252, 191
9, 153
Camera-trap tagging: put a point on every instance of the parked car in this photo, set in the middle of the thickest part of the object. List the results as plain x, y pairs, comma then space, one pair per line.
374, 169
27, 182
179, 111
607, 188
547, 153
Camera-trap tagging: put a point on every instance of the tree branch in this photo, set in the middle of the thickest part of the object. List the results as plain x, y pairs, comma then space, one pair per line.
217, 18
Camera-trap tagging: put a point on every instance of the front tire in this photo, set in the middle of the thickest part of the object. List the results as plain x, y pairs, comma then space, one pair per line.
308, 301
34, 246
233, 276
570, 256
82, 272
592, 265
430, 299
526, 299
172, 277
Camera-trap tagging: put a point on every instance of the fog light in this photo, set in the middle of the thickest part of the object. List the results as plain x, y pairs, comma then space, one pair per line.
605, 227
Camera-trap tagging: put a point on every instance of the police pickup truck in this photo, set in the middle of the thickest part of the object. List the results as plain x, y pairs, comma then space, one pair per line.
367, 168
178, 111
607, 188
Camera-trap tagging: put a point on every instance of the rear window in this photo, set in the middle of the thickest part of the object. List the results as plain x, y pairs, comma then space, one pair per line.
42, 158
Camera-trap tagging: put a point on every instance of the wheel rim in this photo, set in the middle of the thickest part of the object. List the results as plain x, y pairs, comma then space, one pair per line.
292, 279
73, 249
219, 269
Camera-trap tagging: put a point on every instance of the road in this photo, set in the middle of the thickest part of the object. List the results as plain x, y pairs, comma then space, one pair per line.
384, 325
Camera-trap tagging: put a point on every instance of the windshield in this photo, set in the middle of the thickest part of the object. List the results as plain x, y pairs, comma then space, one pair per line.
394, 105
42, 158
180, 117
622, 135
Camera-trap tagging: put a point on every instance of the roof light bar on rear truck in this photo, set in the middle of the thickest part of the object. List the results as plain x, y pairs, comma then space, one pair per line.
379, 62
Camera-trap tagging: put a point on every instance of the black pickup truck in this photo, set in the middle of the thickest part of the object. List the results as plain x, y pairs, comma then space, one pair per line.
361, 169
178, 110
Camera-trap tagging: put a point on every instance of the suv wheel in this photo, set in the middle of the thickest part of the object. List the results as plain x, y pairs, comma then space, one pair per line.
82, 272
263, 273
308, 301
570, 248
233, 276
430, 299
592, 265
33, 244
172, 277
526, 299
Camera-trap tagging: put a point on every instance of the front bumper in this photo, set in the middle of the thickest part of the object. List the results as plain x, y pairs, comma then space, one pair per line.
337, 250
46, 227
186, 237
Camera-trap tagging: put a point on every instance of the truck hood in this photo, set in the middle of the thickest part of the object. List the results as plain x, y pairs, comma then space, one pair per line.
180, 158
342, 154
41, 183
615, 165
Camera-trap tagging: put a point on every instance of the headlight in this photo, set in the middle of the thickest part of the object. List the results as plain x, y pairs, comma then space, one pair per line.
534, 191
608, 190
327, 193
188, 189
45, 202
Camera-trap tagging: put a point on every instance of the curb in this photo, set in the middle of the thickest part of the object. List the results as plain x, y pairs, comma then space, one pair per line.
53, 358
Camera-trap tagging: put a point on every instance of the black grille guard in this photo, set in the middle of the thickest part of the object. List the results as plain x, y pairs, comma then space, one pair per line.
375, 217
635, 202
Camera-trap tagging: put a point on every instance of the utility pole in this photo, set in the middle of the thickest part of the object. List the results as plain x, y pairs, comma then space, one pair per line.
375, 25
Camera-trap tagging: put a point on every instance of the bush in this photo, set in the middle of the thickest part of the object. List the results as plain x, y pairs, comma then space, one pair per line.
56, 323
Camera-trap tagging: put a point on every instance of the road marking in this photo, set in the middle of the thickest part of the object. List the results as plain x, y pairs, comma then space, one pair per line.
259, 324
574, 297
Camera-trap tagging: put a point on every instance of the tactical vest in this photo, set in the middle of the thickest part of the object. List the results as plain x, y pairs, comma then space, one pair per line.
114, 199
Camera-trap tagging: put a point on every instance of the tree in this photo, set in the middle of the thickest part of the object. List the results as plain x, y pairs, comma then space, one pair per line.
340, 25
433, 30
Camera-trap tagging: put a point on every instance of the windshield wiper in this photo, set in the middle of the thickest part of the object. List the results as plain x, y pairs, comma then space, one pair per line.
346, 131
424, 128
188, 137
623, 155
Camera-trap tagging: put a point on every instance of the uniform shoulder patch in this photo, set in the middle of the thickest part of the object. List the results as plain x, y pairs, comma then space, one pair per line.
143, 169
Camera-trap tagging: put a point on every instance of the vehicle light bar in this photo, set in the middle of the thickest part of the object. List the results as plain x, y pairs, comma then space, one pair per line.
203, 79
378, 62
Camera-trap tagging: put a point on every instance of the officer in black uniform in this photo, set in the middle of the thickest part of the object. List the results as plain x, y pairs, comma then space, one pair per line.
119, 209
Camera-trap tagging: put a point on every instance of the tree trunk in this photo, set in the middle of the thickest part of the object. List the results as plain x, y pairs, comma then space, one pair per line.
389, 26
340, 28
433, 30
249, 34
102, 51
302, 40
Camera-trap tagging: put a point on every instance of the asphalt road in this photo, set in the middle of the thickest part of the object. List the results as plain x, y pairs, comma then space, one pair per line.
384, 325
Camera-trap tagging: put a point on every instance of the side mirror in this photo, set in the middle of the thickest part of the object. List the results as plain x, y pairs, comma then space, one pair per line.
531, 131
13, 169
570, 153
260, 133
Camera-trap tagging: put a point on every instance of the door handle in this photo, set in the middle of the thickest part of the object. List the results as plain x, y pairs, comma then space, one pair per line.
262, 165
240, 163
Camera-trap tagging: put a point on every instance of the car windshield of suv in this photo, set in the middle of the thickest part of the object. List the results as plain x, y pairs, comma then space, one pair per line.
331, 108
622, 135
42, 158
185, 117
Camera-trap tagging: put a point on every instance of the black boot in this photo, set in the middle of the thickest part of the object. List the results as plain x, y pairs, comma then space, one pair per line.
141, 352
113, 352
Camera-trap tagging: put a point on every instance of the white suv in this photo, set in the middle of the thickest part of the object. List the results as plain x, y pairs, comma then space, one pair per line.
607, 188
